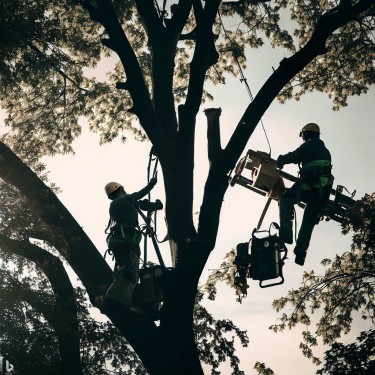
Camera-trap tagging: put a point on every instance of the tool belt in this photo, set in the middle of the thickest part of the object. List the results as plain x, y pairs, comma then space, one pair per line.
121, 235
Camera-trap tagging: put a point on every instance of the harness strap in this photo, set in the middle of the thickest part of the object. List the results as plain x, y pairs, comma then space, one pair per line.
316, 175
324, 164
135, 235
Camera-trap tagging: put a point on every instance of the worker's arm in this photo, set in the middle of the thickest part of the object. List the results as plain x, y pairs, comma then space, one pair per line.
290, 157
141, 193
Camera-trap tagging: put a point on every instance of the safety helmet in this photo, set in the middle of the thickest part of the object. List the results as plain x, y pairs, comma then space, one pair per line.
112, 187
310, 127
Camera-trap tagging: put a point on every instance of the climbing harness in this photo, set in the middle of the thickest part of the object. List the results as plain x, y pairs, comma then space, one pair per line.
316, 175
265, 261
119, 236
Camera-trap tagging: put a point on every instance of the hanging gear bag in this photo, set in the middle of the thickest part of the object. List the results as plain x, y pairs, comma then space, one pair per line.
265, 261
267, 258
148, 294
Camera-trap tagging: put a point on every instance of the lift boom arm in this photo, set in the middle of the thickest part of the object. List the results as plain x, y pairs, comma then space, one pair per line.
267, 180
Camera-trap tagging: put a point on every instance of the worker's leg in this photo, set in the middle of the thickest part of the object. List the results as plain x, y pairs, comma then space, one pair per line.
126, 274
314, 207
286, 207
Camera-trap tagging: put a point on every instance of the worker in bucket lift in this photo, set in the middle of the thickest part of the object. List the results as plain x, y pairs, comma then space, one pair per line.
313, 188
123, 239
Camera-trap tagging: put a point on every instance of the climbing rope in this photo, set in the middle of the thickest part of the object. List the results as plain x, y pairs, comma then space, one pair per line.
148, 229
243, 79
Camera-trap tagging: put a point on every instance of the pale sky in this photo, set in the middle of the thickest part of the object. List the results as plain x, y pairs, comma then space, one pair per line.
349, 134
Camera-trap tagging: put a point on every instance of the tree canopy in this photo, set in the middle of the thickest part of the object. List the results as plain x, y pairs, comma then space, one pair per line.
166, 53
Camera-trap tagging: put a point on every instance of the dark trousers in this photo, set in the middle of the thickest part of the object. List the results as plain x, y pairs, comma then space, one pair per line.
315, 203
127, 252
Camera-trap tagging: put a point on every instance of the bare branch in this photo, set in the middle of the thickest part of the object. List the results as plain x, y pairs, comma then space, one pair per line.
51, 266
213, 133
57, 69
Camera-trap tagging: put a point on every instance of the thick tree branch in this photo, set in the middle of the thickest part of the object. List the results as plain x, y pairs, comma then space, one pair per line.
51, 266
162, 43
68, 237
180, 15
204, 51
63, 316
149, 17
141, 333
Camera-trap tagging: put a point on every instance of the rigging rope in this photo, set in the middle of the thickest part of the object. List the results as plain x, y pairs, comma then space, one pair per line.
148, 230
242, 76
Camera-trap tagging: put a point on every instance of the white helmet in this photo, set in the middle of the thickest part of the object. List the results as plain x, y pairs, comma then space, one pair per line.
310, 127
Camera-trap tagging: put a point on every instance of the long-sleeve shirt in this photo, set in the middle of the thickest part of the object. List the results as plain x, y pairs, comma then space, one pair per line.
313, 149
123, 210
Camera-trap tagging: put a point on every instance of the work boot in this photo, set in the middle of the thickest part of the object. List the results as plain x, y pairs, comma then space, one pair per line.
300, 256
122, 288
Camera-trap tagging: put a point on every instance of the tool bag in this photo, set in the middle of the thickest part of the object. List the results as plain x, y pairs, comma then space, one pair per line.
148, 294
267, 257
148, 289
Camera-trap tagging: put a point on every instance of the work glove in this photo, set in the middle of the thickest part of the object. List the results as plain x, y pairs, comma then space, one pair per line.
279, 163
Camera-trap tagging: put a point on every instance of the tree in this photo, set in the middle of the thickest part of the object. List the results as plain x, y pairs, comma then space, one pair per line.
352, 358
45, 91
346, 288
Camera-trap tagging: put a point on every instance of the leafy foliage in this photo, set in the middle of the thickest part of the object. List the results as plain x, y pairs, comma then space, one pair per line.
347, 67
24, 331
346, 287
30, 343
225, 272
262, 369
46, 85
355, 358
26, 339
215, 347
